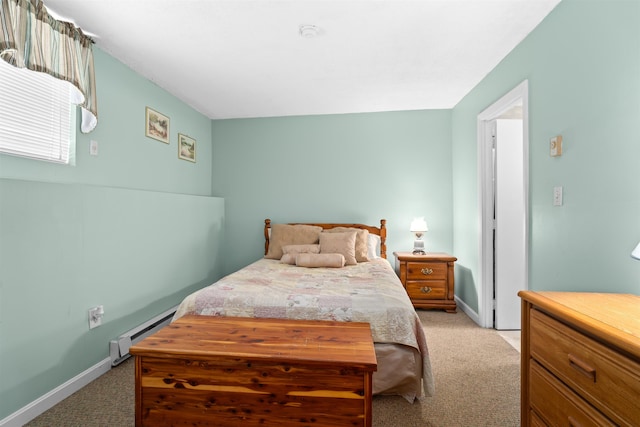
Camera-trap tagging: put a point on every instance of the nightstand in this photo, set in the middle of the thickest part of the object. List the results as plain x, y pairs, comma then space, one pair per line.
428, 279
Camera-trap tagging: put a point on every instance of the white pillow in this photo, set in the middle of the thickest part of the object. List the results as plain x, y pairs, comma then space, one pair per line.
373, 246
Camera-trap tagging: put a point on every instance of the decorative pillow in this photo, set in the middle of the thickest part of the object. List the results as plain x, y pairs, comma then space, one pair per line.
341, 243
320, 260
289, 259
290, 251
362, 237
373, 246
301, 249
286, 234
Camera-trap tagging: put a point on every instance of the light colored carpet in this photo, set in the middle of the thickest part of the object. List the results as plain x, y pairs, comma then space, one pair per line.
512, 337
477, 377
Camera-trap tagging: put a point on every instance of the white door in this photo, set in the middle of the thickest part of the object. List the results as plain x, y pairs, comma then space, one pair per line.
510, 222
503, 188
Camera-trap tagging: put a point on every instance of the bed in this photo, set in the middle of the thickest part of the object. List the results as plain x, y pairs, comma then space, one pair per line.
299, 279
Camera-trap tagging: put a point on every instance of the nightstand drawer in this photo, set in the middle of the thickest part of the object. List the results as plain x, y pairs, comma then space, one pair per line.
426, 271
560, 405
606, 378
427, 289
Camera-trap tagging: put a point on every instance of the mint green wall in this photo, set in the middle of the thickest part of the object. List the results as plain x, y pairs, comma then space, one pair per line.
68, 247
583, 67
133, 229
126, 157
335, 168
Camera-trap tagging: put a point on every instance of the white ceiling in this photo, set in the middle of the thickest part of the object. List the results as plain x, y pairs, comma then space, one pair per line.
239, 58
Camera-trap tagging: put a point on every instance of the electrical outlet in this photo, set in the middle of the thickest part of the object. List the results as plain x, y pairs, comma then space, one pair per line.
95, 316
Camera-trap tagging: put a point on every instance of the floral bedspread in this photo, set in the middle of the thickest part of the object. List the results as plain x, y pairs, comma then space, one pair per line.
367, 292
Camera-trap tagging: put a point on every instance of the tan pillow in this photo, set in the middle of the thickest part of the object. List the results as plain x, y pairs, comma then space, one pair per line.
290, 251
320, 260
301, 249
362, 241
285, 234
340, 243
289, 259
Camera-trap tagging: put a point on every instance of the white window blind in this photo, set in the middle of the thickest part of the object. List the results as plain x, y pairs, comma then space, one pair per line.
36, 118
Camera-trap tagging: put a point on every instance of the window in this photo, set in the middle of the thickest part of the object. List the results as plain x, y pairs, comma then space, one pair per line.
36, 118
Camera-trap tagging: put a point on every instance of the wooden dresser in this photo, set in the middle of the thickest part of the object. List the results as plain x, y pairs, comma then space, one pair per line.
428, 279
580, 359
226, 371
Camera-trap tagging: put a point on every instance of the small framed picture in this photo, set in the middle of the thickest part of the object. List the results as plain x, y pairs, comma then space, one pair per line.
186, 148
156, 126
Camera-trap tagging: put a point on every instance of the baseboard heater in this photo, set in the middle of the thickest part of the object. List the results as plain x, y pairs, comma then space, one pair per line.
119, 348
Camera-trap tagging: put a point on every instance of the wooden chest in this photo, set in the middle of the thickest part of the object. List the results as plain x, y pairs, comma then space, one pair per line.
224, 371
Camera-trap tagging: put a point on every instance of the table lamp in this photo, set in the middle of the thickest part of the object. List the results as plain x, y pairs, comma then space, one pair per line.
419, 227
636, 252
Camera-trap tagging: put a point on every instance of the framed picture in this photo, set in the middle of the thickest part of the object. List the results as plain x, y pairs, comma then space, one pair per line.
186, 148
156, 126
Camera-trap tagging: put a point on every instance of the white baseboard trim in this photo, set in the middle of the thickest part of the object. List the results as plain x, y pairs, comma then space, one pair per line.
55, 396
468, 311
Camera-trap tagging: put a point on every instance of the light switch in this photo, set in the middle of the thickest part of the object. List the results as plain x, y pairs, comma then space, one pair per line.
557, 196
93, 148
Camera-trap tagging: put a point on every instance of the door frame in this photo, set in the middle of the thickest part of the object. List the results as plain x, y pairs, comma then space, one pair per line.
485, 191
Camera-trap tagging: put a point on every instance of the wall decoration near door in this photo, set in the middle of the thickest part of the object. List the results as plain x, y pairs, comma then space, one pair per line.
156, 125
186, 148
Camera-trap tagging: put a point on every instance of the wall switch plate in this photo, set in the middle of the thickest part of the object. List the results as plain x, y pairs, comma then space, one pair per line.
93, 148
555, 146
557, 196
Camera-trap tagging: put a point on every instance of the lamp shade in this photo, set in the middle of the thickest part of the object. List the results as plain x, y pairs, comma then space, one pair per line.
636, 252
419, 225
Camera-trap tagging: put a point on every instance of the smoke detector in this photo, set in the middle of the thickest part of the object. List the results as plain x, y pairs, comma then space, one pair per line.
308, 31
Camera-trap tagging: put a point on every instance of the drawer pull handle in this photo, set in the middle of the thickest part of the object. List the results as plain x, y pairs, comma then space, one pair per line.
573, 422
582, 367
426, 271
425, 290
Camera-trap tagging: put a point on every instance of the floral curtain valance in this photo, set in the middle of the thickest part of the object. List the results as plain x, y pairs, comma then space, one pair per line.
31, 38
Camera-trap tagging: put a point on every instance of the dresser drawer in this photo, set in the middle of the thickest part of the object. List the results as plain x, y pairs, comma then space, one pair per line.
535, 420
430, 289
605, 378
557, 404
426, 271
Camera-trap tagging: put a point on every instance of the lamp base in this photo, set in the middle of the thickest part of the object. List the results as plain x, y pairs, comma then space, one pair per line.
419, 252
418, 246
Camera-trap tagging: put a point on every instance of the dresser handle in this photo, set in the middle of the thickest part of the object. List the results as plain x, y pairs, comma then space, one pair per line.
425, 290
582, 367
426, 271
573, 422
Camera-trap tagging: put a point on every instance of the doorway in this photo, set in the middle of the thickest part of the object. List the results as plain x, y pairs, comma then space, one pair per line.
503, 179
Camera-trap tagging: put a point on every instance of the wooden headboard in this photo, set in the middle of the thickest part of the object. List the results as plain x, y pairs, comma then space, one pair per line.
379, 231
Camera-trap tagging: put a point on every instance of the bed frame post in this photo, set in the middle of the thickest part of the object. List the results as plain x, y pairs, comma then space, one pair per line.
383, 238
267, 227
